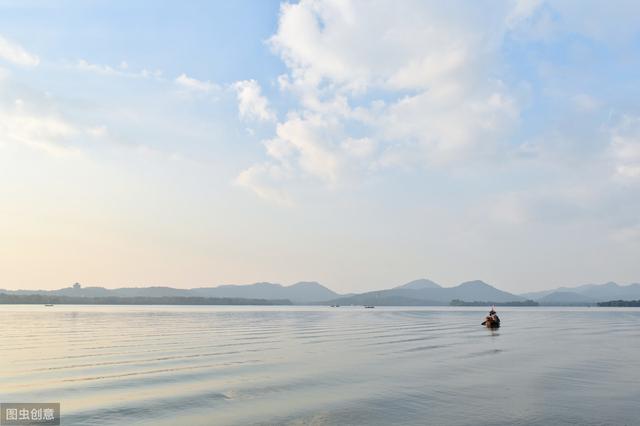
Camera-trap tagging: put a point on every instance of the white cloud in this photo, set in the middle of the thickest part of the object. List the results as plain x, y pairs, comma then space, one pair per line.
251, 103
97, 131
448, 124
265, 181
84, 65
303, 147
406, 45
44, 132
359, 148
420, 84
312, 140
195, 85
121, 71
16, 54
625, 148
431, 66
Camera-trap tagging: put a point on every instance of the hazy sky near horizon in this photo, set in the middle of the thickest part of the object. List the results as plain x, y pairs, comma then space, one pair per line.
361, 144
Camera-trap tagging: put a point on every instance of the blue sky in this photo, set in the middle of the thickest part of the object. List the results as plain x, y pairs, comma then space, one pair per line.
359, 144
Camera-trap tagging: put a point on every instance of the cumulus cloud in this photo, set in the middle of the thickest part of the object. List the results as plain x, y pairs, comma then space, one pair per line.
431, 67
407, 45
441, 126
251, 103
16, 54
312, 140
359, 148
423, 85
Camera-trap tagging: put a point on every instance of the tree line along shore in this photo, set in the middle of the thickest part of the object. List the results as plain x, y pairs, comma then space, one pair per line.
620, 303
38, 299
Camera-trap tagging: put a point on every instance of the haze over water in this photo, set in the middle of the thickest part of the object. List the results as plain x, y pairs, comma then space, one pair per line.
115, 365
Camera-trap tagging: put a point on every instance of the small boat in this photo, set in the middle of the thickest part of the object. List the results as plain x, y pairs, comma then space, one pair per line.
335, 306
369, 307
48, 304
491, 323
492, 320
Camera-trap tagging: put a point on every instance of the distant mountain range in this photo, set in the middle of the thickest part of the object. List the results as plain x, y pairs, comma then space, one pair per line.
586, 294
422, 292
302, 292
426, 292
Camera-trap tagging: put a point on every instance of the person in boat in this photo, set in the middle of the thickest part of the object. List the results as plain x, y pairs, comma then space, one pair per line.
492, 320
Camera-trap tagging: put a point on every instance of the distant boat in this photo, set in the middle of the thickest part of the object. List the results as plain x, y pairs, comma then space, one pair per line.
48, 304
369, 307
335, 306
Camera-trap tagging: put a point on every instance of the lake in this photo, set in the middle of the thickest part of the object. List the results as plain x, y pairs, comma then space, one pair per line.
237, 365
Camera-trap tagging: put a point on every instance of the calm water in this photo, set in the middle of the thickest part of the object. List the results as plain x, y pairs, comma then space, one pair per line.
119, 365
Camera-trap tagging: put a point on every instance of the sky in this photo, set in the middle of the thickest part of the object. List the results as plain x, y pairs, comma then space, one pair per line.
360, 144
